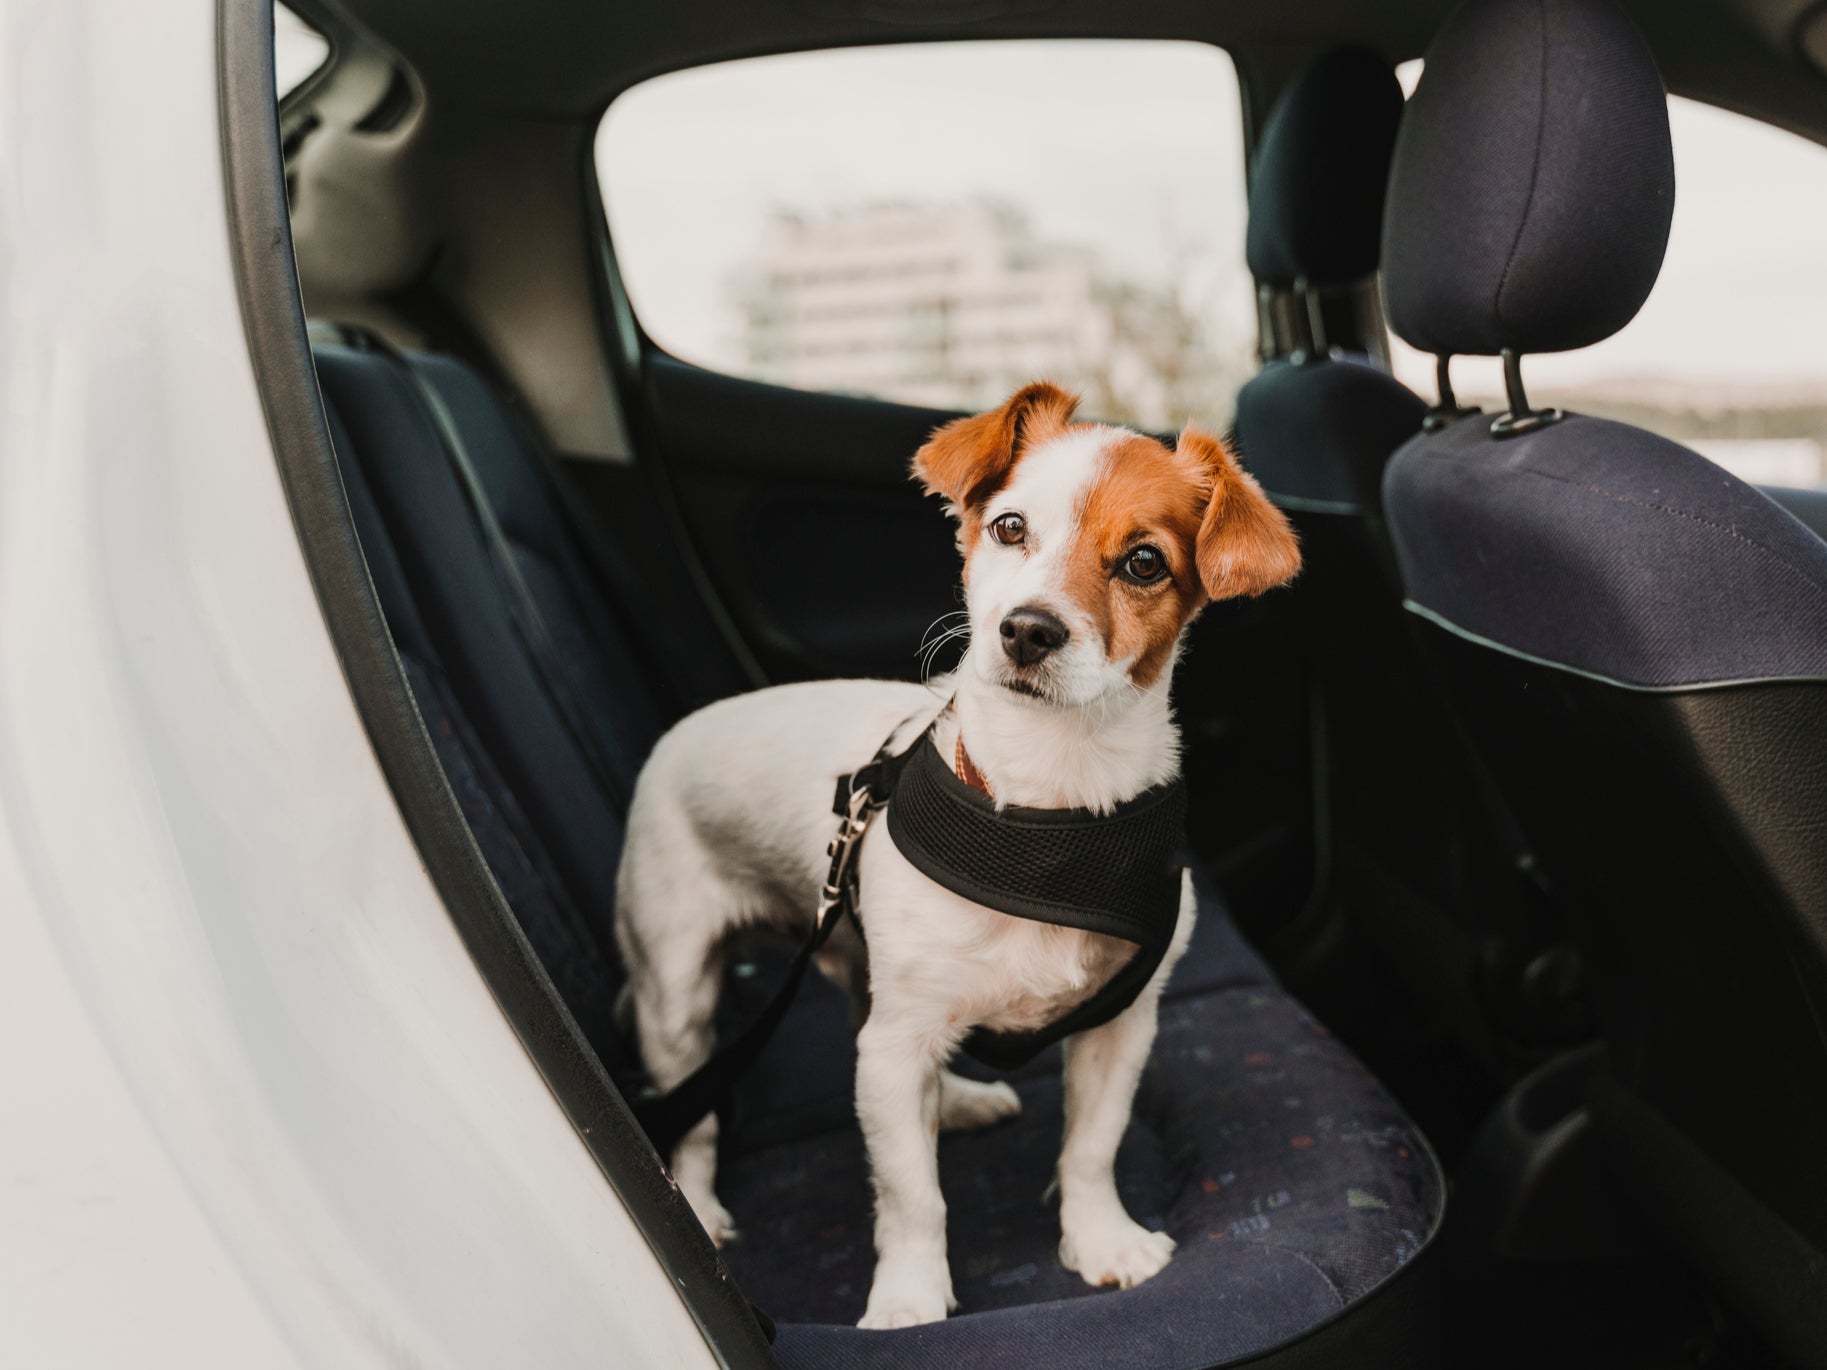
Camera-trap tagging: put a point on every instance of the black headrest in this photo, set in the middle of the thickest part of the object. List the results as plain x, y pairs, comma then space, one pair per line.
1316, 185
1533, 182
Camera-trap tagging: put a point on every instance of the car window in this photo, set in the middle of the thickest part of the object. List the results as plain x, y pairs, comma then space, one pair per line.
1729, 356
298, 51
939, 223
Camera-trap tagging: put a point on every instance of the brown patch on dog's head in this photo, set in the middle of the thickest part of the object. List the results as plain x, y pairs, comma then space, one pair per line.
1144, 497
1246, 545
969, 460
1216, 532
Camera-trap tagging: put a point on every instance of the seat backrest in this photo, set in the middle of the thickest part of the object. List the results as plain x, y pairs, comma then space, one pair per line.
1407, 815
569, 944
1316, 431
1639, 639
549, 822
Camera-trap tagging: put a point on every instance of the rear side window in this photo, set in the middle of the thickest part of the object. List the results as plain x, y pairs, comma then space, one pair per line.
940, 223
1729, 356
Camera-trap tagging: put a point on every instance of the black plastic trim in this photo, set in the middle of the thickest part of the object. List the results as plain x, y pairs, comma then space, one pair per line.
627, 345
261, 242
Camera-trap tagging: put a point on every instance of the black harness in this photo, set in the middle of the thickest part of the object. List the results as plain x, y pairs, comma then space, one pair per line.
1115, 873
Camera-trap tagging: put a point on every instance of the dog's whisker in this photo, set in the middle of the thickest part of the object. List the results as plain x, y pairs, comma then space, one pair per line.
955, 613
930, 653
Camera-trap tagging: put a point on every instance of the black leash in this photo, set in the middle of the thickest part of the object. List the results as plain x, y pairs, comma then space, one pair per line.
1113, 873
666, 1118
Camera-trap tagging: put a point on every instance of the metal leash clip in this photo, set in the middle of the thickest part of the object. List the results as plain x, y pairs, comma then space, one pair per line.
840, 881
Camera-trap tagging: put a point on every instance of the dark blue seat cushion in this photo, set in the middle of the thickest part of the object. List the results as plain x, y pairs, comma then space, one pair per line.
1605, 549
1292, 1182
1317, 434
569, 945
445, 566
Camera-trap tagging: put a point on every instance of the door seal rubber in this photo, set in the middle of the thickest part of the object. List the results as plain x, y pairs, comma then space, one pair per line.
260, 239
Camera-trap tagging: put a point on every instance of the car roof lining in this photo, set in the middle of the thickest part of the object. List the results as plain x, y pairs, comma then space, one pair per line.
566, 59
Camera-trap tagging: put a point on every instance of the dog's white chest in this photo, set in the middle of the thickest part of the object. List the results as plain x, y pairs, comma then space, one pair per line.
968, 965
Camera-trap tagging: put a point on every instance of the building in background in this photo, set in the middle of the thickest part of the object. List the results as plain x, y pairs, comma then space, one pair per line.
956, 304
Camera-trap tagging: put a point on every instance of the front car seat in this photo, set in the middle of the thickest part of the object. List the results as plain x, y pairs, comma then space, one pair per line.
1639, 639
1416, 856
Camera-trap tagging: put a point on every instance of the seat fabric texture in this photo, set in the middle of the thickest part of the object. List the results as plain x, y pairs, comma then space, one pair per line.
1316, 432
1637, 640
1533, 181
1606, 549
1321, 167
1292, 1181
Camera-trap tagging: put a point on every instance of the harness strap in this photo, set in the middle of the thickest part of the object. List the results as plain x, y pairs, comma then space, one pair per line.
1114, 873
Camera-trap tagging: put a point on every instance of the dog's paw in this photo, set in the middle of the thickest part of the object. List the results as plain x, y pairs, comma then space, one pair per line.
715, 1217
968, 1104
1115, 1255
905, 1299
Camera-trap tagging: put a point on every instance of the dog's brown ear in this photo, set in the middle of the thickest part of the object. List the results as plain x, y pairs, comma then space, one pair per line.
968, 460
1245, 544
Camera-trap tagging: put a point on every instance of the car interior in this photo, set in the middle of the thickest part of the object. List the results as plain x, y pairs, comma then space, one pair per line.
1501, 1039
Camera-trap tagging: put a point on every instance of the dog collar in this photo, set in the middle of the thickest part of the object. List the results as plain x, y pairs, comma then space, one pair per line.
966, 769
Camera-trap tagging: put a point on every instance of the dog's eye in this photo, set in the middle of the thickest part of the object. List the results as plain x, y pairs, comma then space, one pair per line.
1011, 530
1145, 565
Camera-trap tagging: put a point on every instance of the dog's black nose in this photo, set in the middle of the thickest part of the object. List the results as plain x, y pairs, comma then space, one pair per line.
1028, 635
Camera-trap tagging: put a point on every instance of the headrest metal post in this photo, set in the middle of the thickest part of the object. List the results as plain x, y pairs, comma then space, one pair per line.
1521, 418
1318, 347
1448, 410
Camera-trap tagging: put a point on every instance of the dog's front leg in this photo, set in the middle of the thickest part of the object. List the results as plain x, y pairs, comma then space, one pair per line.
1098, 1238
897, 1102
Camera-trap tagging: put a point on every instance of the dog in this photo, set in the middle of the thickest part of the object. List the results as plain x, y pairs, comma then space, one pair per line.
1088, 550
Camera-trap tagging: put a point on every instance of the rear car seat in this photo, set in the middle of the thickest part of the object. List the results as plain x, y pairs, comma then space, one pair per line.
1293, 1183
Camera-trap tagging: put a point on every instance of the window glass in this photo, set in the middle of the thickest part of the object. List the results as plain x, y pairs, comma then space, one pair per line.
1729, 356
940, 223
298, 50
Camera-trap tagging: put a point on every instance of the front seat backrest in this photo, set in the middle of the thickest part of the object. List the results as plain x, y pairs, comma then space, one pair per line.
1406, 813
1317, 431
1639, 638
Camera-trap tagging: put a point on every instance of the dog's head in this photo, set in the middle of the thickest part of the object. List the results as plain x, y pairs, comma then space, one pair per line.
1088, 549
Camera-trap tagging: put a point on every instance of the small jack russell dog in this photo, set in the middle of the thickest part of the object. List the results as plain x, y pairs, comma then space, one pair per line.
1087, 551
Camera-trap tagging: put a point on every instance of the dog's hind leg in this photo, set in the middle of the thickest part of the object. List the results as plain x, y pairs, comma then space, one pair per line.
675, 966
966, 1104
